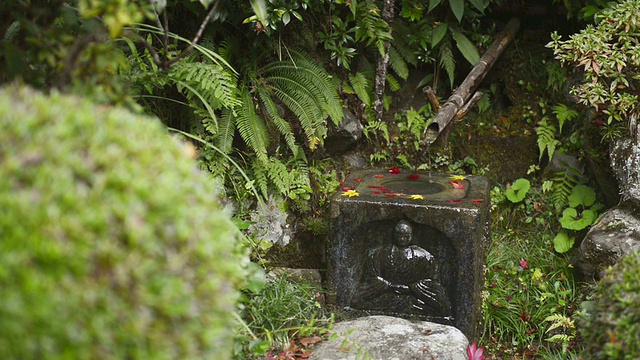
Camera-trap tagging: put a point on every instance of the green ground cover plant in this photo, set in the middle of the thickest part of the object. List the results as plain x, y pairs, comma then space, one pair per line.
529, 286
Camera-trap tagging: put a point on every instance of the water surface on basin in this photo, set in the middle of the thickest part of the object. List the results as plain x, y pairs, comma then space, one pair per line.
437, 187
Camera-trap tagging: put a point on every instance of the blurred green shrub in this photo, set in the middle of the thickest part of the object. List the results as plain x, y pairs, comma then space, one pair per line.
611, 327
112, 244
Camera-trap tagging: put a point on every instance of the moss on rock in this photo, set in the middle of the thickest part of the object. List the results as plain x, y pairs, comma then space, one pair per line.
112, 244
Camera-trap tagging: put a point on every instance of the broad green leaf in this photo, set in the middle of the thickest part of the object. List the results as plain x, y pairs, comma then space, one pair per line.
571, 220
256, 279
433, 4
466, 48
518, 190
206, 3
478, 4
457, 6
286, 18
260, 8
582, 195
438, 34
563, 243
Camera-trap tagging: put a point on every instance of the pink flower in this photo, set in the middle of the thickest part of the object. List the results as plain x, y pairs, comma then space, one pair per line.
475, 352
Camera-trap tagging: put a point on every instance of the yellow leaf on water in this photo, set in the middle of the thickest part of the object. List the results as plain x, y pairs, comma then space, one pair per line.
350, 193
416, 197
458, 177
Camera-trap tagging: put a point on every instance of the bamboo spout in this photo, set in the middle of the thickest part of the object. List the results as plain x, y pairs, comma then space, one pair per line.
459, 100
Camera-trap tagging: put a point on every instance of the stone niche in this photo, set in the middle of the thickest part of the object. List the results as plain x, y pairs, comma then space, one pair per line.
410, 245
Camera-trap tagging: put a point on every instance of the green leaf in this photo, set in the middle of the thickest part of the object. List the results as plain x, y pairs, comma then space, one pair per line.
438, 33
466, 47
457, 6
286, 18
518, 190
206, 3
582, 195
256, 279
563, 243
572, 221
260, 8
433, 4
478, 4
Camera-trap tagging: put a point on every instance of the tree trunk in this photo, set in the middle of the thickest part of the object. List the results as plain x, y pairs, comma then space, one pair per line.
383, 63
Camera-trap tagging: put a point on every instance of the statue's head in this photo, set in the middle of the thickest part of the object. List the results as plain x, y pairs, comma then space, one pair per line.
402, 233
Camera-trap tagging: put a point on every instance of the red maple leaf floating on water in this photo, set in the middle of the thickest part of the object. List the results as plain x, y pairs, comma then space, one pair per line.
455, 200
477, 201
357, 180
457, 184
376, 192
394, 170
378, 176
348, 188
413, 177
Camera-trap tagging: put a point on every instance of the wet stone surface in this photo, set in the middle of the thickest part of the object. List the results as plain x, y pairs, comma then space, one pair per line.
410, 245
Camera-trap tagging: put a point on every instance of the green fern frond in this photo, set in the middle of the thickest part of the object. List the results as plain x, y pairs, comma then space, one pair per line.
563, 184
211, 81
260, 177
360, 85
279, 175
226, 132
316, 79
400, 35
394, 84
12, 31
271, 112
306, 89
546, 138
560, 338
251, 127
397, 63
447, 61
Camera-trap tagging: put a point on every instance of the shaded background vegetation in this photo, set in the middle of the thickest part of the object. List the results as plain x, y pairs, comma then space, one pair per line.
258, 86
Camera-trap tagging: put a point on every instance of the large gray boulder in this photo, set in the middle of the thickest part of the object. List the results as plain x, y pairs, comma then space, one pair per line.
391, 338
617, 233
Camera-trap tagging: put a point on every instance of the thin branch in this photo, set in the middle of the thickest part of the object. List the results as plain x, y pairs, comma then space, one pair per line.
165, 18
195, 39
145, 43
467, 107
433, 99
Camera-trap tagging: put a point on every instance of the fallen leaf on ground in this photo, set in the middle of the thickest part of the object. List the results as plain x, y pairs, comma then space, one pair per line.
310, 340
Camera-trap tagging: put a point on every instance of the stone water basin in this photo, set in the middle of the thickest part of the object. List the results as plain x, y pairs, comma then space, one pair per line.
407, 185
447, 218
